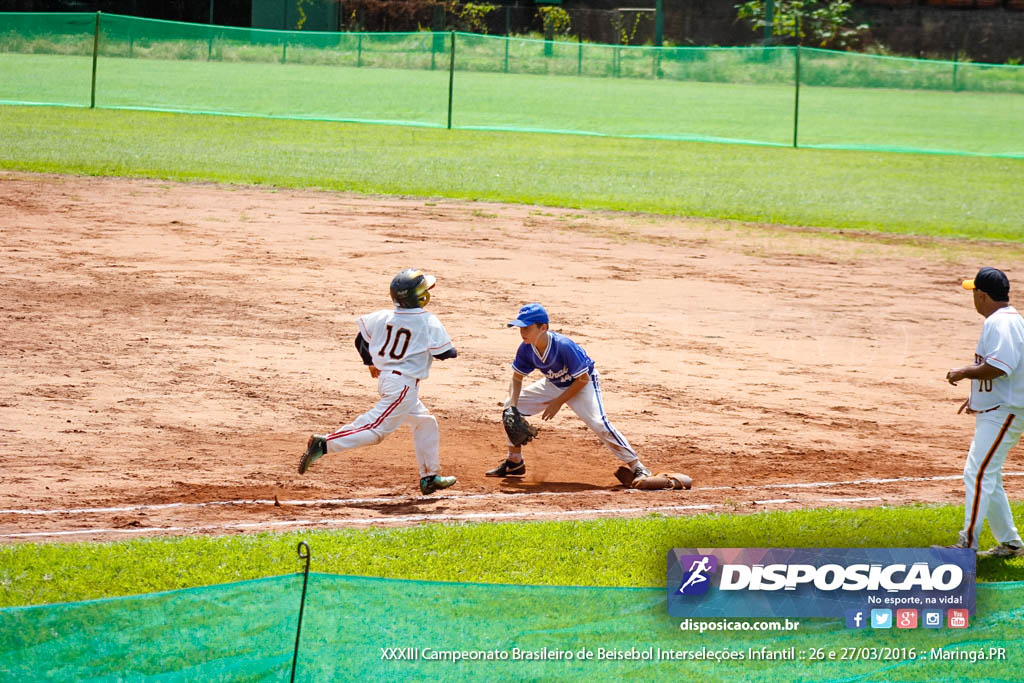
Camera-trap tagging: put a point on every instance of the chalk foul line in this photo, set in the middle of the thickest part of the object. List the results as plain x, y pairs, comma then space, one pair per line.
467, 496
466, 517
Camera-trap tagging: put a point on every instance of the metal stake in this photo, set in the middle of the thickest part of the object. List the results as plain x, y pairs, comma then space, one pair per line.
302, 604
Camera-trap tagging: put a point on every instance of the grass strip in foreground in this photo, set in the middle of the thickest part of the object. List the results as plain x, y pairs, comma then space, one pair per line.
605, 552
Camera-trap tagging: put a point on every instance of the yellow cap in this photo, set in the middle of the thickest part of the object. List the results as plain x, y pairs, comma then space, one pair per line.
968, 284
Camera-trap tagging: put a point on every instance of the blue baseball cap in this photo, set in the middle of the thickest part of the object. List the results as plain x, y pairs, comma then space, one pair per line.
530, 314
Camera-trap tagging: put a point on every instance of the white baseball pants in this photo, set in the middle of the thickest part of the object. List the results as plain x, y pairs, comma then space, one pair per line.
587, 404
995, 433
399, 404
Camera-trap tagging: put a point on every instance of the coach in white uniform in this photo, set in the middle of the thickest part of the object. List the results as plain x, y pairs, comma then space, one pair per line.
997, 401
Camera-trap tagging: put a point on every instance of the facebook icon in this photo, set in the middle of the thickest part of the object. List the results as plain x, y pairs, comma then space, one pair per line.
855, 618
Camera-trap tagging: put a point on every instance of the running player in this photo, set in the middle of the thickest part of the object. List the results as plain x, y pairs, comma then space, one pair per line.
569, 379
997, 401
398, 346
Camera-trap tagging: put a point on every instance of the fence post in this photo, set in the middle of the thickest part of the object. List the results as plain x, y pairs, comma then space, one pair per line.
437, 25
95, 56
579, 57
451, 82
659, 23
359, 50
209, 50
796, 97
507, 41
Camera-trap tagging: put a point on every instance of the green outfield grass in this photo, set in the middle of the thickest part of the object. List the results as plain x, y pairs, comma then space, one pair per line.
606, 552
946, 196
876, 117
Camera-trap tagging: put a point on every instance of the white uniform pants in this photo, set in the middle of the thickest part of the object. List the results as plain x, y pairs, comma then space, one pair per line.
399, 404
995, 433
587, 404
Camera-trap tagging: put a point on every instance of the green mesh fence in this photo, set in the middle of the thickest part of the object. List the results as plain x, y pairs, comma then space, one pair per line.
246, 631
240, 631
781, 96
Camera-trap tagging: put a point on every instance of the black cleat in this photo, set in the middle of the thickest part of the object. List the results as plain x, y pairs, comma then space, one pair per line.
508, 468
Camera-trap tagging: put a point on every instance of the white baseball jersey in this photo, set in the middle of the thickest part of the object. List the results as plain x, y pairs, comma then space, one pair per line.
404, 340
1001, 345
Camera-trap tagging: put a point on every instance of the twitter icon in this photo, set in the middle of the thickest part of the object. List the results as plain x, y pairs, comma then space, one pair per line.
881, 618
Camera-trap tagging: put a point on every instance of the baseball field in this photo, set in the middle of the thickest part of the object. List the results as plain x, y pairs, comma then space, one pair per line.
179, 295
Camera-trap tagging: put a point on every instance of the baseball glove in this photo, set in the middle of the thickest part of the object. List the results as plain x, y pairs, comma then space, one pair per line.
519, 431
656, 482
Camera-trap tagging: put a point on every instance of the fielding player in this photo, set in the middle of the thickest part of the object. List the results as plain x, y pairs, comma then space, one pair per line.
570, 378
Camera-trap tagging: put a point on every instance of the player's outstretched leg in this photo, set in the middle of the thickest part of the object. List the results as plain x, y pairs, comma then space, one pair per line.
370, 428
590, 408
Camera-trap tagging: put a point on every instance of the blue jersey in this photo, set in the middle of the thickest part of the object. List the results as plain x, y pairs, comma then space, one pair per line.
563, 361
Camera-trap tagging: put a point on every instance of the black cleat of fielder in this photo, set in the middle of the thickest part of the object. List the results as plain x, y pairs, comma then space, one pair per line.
508, 469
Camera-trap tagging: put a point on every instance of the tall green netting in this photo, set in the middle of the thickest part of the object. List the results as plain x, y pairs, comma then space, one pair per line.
46, 58
239, 631
863, 101
246, 631
781, 96
338, 76
689, 93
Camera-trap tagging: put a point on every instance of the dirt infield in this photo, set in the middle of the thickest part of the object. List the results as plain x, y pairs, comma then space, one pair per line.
168, 348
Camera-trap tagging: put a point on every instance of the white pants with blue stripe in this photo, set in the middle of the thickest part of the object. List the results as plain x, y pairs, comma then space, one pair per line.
587, 404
